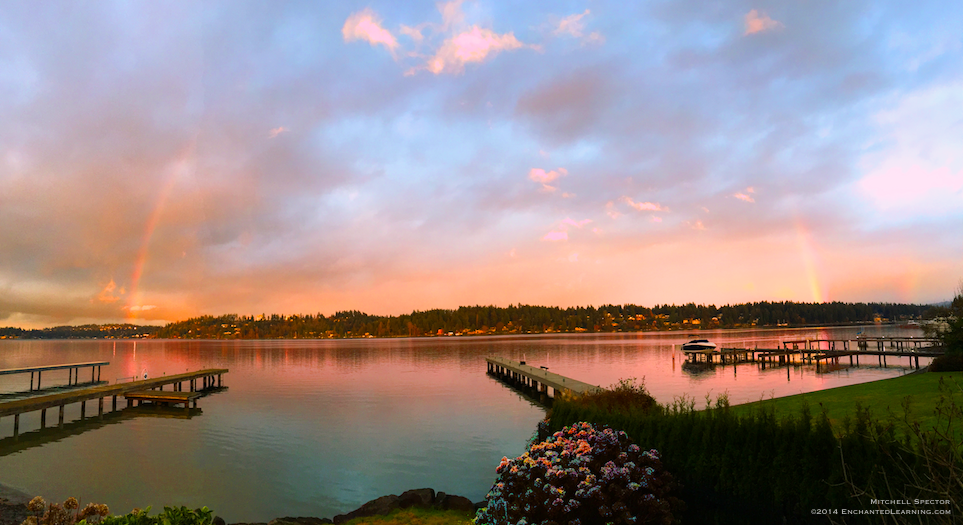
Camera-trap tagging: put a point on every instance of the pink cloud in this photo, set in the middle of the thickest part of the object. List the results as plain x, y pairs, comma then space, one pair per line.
611, 211
544, 177
578, 224
474, 45
364, 25
656, 219
757, 22
556, 236
277, 131
698, 226
746, 196
413, 33
642, 206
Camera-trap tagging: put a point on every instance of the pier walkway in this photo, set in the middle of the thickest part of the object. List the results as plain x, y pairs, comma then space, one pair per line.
538, 378
812, 351
73, 371
129, 390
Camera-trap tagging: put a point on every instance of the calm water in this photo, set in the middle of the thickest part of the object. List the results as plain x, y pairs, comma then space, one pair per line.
316, 428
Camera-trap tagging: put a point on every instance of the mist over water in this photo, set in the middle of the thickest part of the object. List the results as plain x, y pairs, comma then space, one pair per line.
318, 427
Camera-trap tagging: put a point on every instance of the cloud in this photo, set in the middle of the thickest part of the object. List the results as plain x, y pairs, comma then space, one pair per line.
572, 25
277, 131
578, 224
545, 177
364, 25
474, 45
698, 226
451, 45
107, 294
556, 236
746, 196
642, 206
140, 308
759, 22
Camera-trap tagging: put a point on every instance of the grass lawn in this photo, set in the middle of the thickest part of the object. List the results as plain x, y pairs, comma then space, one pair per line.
884, 398
414, 516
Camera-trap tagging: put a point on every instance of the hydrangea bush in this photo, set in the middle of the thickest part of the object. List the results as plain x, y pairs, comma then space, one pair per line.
581, 475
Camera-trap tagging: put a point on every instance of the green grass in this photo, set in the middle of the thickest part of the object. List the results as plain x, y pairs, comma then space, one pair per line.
884, 399
415, 516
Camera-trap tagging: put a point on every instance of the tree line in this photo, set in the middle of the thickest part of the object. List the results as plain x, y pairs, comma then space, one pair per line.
87, 331
480, 320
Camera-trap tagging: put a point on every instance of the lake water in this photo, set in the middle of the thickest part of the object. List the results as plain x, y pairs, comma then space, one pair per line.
316, 428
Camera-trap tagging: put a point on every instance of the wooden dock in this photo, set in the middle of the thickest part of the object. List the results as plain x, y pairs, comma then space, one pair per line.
814, 351
162, 397
538, 378
43, 402
73, 371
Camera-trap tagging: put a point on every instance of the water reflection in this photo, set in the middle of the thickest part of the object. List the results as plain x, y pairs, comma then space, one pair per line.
318, 427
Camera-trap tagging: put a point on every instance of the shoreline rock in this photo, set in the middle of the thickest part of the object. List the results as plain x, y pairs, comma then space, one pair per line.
425, 498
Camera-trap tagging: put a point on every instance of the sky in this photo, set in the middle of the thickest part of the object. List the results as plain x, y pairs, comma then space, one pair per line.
164, 160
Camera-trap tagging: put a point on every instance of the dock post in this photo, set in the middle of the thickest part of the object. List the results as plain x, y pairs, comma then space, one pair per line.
38, 380
219, 377
91, 374
192, 385
98, 373
83, 408
31, 380
60, 423
16, 426
128, 401
43, 418
100, 408
113, 407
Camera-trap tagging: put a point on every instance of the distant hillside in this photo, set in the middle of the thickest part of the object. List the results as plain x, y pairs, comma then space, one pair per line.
520, 319
87, 331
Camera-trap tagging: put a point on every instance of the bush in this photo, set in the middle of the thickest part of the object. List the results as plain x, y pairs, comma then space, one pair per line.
67, 514
947, 363
581, 475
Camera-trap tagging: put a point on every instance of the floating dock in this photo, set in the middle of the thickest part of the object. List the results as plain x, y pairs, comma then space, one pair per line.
538, 378
129, 390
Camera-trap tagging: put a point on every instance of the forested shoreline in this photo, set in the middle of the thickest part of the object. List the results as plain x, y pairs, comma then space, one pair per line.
521, 319
493, 320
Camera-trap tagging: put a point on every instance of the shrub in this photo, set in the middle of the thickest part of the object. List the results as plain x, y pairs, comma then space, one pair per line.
581, 475
947, 363
66, 514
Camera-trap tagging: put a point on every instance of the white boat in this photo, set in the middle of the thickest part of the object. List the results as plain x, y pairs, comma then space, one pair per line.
698, 344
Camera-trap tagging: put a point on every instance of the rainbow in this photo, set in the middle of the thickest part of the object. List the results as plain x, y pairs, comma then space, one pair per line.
809, 257
186, 161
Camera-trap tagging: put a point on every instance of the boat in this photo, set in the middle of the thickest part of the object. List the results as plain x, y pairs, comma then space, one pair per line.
698, 344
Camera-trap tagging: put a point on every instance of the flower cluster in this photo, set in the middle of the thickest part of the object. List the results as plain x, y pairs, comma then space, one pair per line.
579, 476
57, 514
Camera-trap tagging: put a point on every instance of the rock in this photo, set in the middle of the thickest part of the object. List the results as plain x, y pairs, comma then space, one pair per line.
375, 507
288, 520
12, 513
422, 498
459, 503
219, 521
439, 498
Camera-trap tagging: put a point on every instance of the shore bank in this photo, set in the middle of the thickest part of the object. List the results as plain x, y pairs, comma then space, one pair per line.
13, 507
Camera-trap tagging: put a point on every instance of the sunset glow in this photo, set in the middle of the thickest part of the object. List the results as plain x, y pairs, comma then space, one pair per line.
163, 161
